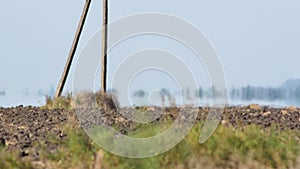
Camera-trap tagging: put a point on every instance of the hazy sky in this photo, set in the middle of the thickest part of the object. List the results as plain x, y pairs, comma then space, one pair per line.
257, 41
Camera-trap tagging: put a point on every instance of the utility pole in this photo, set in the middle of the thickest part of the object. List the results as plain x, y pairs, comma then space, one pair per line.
64, 76
104, 46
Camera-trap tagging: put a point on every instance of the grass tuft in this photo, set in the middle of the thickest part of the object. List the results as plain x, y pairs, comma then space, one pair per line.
62, 102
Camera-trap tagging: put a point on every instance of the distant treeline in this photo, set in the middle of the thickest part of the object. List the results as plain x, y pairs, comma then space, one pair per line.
288, 92
249, 93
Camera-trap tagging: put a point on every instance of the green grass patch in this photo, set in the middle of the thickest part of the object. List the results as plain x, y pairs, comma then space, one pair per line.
12, 160
227, 148
77, 150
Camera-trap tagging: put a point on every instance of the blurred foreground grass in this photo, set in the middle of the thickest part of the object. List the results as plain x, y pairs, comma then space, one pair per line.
249, 147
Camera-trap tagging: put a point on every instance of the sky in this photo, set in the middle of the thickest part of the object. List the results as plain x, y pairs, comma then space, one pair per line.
257, 41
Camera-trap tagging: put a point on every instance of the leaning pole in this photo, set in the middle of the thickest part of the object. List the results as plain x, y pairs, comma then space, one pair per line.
65, 73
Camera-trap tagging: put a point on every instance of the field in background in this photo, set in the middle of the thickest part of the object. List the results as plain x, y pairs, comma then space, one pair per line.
233, 145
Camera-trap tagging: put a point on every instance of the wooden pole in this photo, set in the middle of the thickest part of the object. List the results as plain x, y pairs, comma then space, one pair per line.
64, 76
104, 46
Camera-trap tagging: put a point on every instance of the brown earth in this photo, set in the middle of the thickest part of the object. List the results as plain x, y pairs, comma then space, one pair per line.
21, 127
